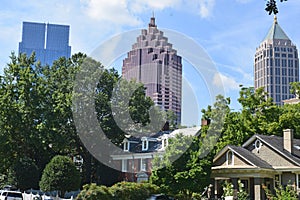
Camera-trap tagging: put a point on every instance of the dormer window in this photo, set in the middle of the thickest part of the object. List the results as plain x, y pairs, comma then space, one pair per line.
257, 145
126, 145
164, 142
145, 144
230, 158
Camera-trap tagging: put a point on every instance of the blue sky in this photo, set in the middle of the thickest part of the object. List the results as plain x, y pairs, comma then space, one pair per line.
227, 30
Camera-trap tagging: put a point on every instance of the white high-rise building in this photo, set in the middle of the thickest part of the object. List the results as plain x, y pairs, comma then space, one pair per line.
276, 64
153, 62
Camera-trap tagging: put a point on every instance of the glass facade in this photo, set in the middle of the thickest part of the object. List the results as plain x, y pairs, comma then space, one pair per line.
48, 41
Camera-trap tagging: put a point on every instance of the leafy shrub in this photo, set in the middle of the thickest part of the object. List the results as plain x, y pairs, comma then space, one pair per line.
133, 191
119, 191
94, 192
281, 193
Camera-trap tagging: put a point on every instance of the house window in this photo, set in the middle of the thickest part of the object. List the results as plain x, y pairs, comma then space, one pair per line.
144, 145
143, 165
124, 166
230, 157
126, 146
257, 145
164, 142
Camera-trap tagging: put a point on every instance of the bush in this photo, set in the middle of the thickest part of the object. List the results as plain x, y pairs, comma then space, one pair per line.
119, 191
94, 192
60, 174
133, 191
281, 193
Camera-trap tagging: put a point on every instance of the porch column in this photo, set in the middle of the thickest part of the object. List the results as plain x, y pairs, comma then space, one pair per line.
235, 188
216, 188
257, 189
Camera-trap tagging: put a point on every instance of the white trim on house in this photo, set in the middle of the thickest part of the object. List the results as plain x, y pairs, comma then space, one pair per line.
136, 155
145, 144
230, 158
124, 165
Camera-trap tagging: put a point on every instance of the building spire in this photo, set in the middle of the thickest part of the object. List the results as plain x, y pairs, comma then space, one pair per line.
152, 21
275, 19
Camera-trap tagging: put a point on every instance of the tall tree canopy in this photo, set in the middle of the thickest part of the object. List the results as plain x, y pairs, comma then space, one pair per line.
36, 114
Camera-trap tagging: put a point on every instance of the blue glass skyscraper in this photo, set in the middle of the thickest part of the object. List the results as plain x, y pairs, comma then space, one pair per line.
48, 41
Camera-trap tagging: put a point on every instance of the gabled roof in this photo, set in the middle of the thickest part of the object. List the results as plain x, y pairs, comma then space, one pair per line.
154, 139
250, 157
246, 155
276, 32
276, 143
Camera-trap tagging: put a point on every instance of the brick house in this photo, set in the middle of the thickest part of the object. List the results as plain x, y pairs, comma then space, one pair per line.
261, 161
135, 162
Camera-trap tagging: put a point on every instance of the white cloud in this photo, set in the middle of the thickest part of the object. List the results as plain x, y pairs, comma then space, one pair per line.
206, 7
226, 82
113, 11
123, 12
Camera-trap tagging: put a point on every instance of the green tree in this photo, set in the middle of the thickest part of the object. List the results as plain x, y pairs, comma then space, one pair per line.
36, 114
181, 170
60, 174
114, 99
259, 113
295, 89
26, 174
271, 6
22, 108
290, 118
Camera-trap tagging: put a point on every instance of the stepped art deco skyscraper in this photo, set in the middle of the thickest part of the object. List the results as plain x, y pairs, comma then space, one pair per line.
153, 62
276, 64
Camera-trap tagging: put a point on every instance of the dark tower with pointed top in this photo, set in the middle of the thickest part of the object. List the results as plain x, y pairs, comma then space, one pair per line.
155, 63
276, 64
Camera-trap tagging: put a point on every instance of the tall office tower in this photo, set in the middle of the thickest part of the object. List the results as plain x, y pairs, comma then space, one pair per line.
48, 41
276, 64
156, 64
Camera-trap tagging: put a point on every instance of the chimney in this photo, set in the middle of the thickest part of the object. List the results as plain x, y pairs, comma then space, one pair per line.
288, 140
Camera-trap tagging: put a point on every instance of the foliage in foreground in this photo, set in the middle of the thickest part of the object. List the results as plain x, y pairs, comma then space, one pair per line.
119, 191
228, 190
281, 193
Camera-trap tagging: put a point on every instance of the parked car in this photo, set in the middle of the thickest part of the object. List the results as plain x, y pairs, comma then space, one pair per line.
160, 197
11, 195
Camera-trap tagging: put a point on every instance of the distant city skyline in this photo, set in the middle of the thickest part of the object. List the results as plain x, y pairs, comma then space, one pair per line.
229, 32
153, 62
48, 41
276, 64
